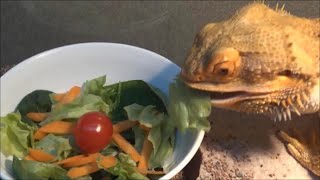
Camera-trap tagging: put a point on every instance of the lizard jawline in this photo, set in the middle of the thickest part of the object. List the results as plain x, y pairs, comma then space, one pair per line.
227, 99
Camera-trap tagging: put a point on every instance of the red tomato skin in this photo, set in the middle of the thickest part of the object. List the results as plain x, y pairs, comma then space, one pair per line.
93, 132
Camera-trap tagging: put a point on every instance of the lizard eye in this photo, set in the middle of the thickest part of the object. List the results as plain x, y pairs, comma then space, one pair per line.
223, 65
224, 69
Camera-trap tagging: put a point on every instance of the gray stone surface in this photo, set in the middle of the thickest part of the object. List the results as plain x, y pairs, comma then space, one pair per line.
239, 146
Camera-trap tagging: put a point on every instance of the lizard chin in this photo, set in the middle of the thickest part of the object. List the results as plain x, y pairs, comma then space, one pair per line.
254, 103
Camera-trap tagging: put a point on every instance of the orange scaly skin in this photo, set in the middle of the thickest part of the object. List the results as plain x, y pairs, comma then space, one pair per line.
261, 61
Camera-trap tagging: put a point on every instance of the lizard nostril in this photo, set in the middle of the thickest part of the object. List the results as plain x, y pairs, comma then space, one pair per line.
198, 77
223, 72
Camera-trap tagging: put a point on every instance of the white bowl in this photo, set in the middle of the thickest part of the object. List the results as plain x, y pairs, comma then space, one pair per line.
60, 68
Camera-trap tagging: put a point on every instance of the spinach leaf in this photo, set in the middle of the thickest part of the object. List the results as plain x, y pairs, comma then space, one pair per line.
122, 94
36, 101
130, 92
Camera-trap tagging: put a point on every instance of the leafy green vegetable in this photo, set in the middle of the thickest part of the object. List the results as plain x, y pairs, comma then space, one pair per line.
147, 115
36, 101
109, 150
189, 108
122, 94
25, 169
162, 138
15, 135
135, 100
130, 92
161, 135
94, 86
75, 109
84, 178
55, 145
138, 138
125, 168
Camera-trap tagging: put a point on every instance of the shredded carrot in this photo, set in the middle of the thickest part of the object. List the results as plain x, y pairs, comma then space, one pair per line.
38, 135
57, 127
58, 96
146, 171
123, 126
70, 159
28, 157
40, 155
83, 170
38, 117
145, 128
125, 146
145, 153
107, 161
83, 161
70, 95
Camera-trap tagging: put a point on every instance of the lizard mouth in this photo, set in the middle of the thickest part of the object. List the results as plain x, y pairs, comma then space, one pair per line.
226, 99
226, 95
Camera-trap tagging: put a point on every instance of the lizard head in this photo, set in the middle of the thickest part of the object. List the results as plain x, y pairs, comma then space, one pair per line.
259, 61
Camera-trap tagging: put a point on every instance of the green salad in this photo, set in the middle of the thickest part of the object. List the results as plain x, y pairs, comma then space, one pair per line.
120, 131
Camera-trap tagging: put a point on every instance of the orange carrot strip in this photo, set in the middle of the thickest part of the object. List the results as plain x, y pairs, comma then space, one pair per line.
125, 146
40, 155
83, 161
70, 159
83, 170
58, 96
38, 135
58, 127
145, 128
71, 95
28, 157
123, 126
145, 153
146, 171
38, 117
107, 161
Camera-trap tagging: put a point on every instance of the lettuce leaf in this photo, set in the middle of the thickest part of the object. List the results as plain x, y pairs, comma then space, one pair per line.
161, 134
138, 138
188, 108
147, 115
55, 145
94, 86
125, 168
15, 135
109, 150
162, 138
83, 104
25, 169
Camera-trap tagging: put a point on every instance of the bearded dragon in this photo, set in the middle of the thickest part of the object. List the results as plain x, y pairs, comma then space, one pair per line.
261, 61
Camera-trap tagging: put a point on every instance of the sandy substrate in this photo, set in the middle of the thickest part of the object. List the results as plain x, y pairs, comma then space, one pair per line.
243, 146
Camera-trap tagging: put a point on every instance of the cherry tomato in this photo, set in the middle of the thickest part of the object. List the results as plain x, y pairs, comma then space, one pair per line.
93, 132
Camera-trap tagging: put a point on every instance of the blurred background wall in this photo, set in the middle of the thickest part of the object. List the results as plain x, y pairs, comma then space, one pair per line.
165, 27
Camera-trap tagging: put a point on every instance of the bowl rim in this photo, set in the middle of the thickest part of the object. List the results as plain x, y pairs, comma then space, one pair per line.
34, 59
